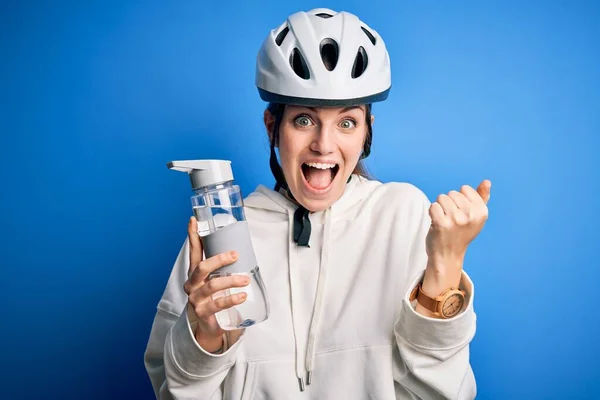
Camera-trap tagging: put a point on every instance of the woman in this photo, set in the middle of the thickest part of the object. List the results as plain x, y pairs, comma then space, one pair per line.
365, 282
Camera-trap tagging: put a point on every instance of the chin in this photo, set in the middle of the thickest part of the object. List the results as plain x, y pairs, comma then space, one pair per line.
313, 205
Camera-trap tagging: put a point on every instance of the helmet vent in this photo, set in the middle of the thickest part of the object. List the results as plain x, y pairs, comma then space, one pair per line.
324, 15
282, 35
298, 64
329, 53
360, 63
369, 35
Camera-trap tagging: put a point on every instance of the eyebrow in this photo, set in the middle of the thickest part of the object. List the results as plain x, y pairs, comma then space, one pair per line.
351, 108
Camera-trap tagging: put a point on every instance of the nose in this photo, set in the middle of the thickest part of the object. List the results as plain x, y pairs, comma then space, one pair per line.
323, 143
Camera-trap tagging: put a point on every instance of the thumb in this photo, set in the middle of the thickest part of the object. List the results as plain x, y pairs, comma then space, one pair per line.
484, 189
195, 245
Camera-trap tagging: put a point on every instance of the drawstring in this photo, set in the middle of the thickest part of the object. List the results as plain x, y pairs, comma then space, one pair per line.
291, 249
300, 227
314, 323
299, 235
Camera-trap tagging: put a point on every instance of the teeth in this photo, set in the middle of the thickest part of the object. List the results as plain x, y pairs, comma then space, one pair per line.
321, 165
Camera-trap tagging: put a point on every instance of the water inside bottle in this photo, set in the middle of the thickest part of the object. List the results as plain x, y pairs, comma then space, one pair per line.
254, 310
211, 219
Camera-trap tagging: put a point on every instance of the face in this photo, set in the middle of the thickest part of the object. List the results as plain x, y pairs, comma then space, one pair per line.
319, 149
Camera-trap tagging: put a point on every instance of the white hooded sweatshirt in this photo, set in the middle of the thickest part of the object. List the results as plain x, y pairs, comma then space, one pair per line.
339, 309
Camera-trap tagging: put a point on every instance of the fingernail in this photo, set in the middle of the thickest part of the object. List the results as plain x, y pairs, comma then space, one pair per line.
233, 255
241, 296
246, 280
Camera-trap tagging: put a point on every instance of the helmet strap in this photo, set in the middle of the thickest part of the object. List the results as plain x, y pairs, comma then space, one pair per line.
276, 169
367, 146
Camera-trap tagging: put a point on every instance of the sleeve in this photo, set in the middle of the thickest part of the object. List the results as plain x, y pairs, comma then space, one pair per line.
434, 353
177, 366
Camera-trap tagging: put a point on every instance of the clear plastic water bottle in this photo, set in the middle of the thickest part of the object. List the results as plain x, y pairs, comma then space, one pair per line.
218, 207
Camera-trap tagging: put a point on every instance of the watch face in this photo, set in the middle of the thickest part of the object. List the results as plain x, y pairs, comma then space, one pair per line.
453, 305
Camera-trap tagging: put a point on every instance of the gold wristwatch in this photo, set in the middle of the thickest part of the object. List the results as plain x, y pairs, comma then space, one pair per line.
446, 305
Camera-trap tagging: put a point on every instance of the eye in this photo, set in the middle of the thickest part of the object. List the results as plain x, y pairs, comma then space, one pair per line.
303, 120
348, 123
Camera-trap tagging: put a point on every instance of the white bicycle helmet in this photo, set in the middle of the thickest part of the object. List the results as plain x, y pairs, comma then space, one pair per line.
323, 58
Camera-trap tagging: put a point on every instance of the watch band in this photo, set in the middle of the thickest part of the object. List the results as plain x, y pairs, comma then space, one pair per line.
425, 300
434, 304
224, 346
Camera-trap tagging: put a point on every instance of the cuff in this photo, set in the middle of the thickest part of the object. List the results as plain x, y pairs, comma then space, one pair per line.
192, 359
434, 333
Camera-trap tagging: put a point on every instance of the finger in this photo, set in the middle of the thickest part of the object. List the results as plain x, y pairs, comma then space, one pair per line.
472, 195
447, 204
226, 282
484, 190
222, 303
195, 245
194, 282
215, 262
198, 275
436, 212
460, 200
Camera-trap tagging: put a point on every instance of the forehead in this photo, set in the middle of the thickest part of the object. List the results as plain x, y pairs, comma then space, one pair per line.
327, 110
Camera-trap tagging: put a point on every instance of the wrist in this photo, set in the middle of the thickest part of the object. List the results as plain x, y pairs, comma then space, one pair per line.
445, 262
442, 274
210, 345
436, 281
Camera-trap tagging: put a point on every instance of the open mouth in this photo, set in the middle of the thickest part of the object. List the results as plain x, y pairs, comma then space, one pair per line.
319, 176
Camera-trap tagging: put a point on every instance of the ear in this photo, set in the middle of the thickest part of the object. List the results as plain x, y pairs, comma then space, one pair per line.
269, 121
372, 119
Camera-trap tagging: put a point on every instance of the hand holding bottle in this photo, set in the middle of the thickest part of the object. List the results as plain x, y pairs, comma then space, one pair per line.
200, 290
219, 227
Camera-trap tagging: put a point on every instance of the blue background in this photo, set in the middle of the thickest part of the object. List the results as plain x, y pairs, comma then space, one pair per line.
95, 98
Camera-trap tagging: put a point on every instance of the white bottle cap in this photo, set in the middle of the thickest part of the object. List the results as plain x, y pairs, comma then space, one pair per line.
204, 172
